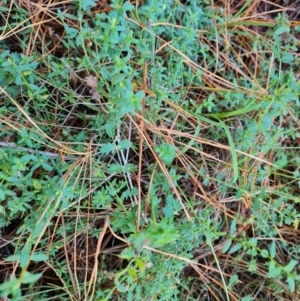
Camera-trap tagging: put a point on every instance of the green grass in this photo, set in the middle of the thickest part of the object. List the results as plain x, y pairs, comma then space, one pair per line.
149, 150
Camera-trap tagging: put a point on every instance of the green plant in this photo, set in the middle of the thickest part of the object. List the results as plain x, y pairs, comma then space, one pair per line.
149, 149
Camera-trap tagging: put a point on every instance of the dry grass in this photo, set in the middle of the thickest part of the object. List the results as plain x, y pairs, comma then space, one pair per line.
91, 259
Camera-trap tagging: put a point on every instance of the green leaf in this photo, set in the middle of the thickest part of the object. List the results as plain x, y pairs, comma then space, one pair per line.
252, 241
132, 273
38, 229
128, 253
110, 129
227, 245
282, 162
47, 166
289, 267
273, 249
274, 271
140, 264
248, 297
127, 6
37, 185
124, 144
31, 278
128, 168
162, 233
234, 279
232, 227
264, 253
291, 282
235, 248
2, 212
280, 30
10, 285
168, 211
39, 257
166, 152
107, 148
2, 195
24, 259
237, 112
122, 288
115, 168
15, 257
87, 4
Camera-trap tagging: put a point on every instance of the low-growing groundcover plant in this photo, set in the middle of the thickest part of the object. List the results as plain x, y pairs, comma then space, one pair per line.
149, 150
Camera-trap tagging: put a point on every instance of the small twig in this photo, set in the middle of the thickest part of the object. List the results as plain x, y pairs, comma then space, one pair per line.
118, 139
259, 289
32, 151
95, 271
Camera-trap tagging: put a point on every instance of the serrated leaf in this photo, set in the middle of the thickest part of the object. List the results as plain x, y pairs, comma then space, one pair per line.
128, 168
166, 152
115, 168
280, 30
234, 279
107, 148
110, 129
124, 144
168, 211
